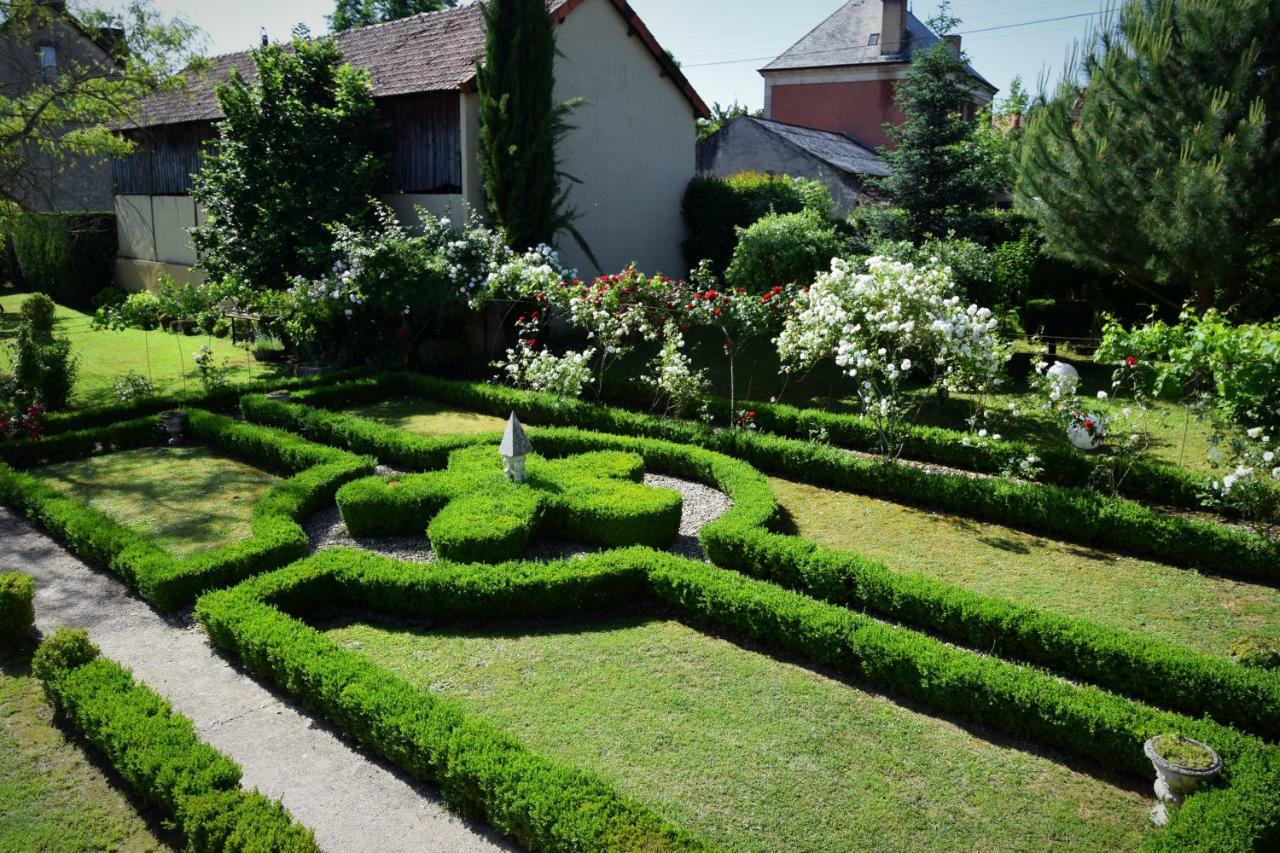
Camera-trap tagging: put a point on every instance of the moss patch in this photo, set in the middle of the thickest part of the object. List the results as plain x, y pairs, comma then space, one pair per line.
190, 498
1180, 605
51, 796
1182, 752
752, 752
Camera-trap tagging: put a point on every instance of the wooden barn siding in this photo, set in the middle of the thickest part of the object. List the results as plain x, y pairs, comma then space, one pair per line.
425, 156
426, 143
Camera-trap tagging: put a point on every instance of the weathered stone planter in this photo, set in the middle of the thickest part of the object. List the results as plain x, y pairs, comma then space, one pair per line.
1173, 781
174, 423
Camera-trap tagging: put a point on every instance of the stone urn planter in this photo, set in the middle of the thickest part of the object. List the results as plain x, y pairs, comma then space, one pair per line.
1181, 765
279, 396
174, 423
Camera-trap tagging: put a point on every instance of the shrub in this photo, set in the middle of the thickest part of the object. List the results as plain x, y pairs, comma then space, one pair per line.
157, 752
714, 208
783, 248
109, 297
62, 651
44, 370
38, 313
17, 608
70, 256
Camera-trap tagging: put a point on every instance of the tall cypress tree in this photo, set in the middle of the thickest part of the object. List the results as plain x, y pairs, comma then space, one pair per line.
1158, 158
521, 124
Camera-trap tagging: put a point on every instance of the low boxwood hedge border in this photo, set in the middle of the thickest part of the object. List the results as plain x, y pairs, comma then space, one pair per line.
167, 581
1072, 514
157, 752
1131, 663
485, 774
17, 609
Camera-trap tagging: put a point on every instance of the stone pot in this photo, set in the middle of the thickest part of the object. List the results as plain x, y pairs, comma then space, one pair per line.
174, 423
279, 396
1173, 782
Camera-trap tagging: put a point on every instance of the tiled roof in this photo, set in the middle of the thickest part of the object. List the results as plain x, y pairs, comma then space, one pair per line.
835, 149
430, 52
844, 39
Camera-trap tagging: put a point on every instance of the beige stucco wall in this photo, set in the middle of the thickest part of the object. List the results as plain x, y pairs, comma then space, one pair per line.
134, 275
633, 147
156, 228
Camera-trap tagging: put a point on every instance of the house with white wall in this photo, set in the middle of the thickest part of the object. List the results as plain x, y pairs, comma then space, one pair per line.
632, 148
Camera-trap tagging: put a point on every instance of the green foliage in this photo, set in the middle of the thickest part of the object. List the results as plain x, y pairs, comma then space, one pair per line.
715, 208
295, 155
999, 277
476, 514
48, 122
62, 651
1165, 123
521, 125
371, 706
44, 370
69, 256
157, 752
363, 13
783, 248
164, 580
940, 178
721, 116
17, 610
38, 315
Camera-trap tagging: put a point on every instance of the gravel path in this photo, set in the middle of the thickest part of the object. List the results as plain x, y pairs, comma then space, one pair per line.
352, 802
702, 505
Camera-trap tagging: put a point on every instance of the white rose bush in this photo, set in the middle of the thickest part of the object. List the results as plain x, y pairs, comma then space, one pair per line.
891, 328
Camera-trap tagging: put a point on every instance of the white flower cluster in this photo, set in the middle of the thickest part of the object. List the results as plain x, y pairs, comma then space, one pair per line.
533, 272
672, 376
539, 370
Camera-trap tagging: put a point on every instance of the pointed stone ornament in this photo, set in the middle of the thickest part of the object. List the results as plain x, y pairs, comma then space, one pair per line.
514, 448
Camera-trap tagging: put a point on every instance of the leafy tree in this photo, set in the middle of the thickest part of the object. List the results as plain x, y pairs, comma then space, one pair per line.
1158, 157
295, 156
521, 125
51, 117
362, 13
940, 178
720, 116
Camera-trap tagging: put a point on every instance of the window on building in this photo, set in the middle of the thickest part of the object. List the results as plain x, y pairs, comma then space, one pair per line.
874, 40
48, 57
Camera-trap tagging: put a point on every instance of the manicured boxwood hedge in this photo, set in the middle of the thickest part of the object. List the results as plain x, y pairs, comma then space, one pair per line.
157, 752
167, 581
17, 609
1161, 673
472, 513
1076, 515
545, 805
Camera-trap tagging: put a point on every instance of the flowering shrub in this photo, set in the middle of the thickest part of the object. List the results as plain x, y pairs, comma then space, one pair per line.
213, 376
892, 325
132, 386
25, 424
386, 291
678, 388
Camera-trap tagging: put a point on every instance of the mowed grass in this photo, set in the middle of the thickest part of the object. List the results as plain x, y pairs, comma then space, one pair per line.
190, 498
168, 359
430, 419
51, 797
1179, 605
752, 752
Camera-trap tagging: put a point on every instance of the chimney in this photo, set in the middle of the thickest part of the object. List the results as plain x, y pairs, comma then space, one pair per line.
953, 42
893, 27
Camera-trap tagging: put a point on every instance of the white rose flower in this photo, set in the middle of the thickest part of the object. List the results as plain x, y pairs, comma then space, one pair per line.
1256, 432
1102, 395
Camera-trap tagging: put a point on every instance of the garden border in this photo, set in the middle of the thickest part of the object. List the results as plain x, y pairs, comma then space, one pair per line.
167, 581
157, 751
485, 774
1126, 661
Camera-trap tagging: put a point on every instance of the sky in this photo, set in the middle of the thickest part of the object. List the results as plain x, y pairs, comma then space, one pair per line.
722, 43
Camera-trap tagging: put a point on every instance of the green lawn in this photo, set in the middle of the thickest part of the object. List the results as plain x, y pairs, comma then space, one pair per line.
104, 356
190, 498
51, 797
1179, 605
430, 419
752, 752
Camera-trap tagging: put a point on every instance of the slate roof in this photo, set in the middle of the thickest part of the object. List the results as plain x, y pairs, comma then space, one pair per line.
835, 149
842, 40
430, 52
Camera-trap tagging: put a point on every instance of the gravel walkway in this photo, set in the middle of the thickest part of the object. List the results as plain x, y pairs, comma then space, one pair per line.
352, 802
702, 505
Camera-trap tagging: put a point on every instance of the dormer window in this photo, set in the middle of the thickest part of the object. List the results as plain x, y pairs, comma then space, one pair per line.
874, 40
48, 57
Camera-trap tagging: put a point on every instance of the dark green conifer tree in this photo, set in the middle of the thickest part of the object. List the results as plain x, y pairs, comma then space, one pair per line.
361, 13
